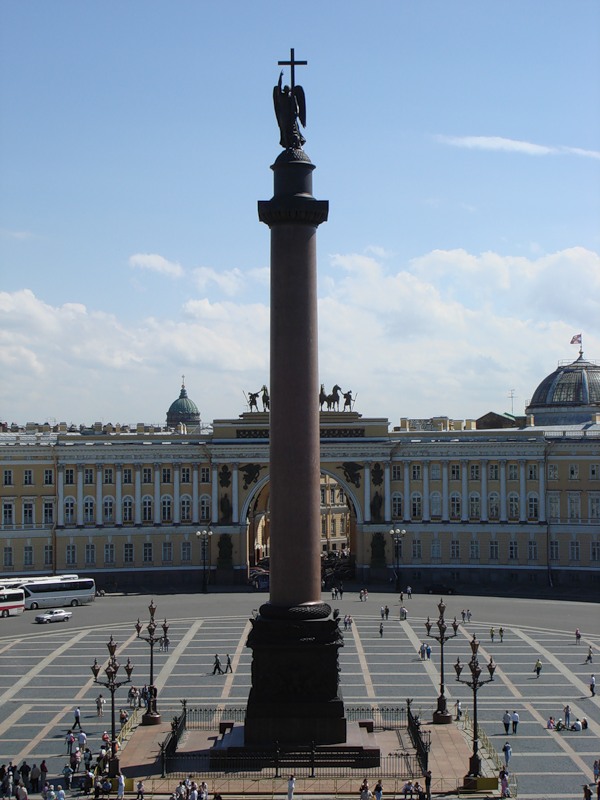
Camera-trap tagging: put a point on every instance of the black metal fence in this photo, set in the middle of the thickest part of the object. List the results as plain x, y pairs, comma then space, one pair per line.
208, 718
421, 739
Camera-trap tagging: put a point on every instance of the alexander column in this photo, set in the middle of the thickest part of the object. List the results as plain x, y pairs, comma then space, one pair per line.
295, 688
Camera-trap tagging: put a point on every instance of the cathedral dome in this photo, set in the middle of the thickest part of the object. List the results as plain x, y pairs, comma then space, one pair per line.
183, 411
570, 395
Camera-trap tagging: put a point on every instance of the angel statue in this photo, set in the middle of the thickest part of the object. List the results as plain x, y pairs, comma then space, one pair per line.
290, 106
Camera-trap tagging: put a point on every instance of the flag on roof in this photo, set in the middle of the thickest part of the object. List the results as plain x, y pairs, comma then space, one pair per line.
576, 339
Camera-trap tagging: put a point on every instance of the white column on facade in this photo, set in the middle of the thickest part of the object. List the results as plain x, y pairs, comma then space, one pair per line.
387, 492
464, 475
80, 494
445, 496
235, 496
542, 491
157, 515
99, 508
119, 495
484, 490
60, 480
176, 490
214, 496
426, 511
503, 506
138, 493
522, 493
367, 491
406, 500
195, 509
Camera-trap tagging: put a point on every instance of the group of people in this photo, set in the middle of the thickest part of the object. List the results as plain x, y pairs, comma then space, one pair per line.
189, 789
218, 667
493, 633
363, 595
510, 721
15, 781
348, 621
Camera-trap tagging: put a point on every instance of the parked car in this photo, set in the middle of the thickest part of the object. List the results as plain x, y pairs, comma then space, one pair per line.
54, 615
439, 588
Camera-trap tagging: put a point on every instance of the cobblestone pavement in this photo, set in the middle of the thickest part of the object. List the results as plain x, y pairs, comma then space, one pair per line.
45, 672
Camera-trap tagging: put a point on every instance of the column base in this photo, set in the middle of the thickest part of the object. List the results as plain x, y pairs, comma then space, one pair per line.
150, 718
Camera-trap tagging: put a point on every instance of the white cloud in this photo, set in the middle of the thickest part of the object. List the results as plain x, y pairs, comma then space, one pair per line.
513, 146
230, 282
155, 263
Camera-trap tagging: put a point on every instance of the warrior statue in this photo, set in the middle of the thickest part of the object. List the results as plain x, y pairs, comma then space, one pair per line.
290, 106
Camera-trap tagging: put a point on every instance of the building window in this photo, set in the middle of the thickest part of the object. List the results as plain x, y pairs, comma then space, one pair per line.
474, 506
513, 472
8, 557
474, 550
574, 507
455, 549
494, 505
513, 505
417, 553
109, 553
554, 507
455, 505
48, 555
532, 472
595, 551
88, 476
48, 512
185, 475
532, 550
435, 505
513, 550
147, 505
28, 556
322, 495
69, 476
48, 477
494, 550
167, 552
166, 509
435, 472
396, 472
127, 475
574, 550
205, 509
148, 557
8, 477
594, 472
415, 472
147, 475
186, 509
493, 472
332, 496
553, 550
109, 509
594, 507
90, 553
7, 513
552, 472
28, 513
69, 511
88, 510
416, 505
28, 477
127, 509
396, 505
186, 551
324, 527
436, 549
573, 472
204, 474
166, 475
474, 472
454, 472
128, 553
71, 555
533, 506
108, 475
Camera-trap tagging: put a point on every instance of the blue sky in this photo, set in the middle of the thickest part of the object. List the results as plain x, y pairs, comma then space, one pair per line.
458, 144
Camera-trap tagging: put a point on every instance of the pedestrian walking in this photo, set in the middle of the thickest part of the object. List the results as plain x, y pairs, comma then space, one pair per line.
501, 633
492, 634
577, 636
590, 654
506, 720
387, 612
217, 665
120, 786
596, 770
70, 741
43, 772
77, 720
382, 612
515, 721
469, 615
593, 684
463, 614
567, 713
35, 776
428, 784
428, 652
507, 750
378, 790
381, 629
458, 710
140, 790
409, 592
100, 705
228, 667
537, 668
291, 787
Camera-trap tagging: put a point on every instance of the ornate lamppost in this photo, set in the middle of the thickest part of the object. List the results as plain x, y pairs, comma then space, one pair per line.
476, 682
203, 537
112, 684
397, 535
151, 715
441, 716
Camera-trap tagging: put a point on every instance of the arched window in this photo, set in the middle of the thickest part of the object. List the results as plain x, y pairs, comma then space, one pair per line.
69, 511
147, 509
474, 506
455, 505
127, 509
88, 509
416, 505
435, 505
494, 505
396, 505
513, 505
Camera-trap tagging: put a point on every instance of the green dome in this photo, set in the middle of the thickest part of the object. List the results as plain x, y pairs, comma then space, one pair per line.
183, 411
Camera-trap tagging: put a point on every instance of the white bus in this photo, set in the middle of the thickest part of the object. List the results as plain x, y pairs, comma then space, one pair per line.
12, 602
52, 594
18, 582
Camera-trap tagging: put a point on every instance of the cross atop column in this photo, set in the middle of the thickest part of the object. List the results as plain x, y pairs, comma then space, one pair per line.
292, 63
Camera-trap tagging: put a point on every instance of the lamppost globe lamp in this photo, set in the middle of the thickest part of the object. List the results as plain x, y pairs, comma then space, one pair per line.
441, 716
397, 535
204, 537
151, 715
